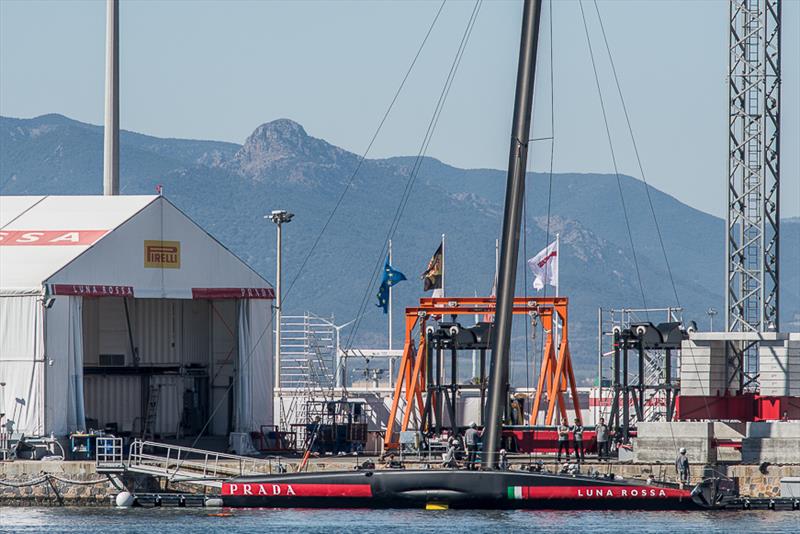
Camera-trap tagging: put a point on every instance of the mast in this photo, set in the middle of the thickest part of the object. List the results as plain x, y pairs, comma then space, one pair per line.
509, 252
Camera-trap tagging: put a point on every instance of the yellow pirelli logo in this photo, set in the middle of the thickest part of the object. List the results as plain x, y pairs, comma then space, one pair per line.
162, 254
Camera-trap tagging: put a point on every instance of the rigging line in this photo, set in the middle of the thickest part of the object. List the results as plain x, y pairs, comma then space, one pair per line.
417, 163
613, 156
364, 155
335, 208
646, 187
636, 151
525, 283
552, 151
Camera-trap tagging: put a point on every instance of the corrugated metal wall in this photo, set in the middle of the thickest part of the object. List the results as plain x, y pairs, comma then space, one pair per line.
167, 332
105, 330
118, 399
225, 347
157, 331
196, 338
91, 328
114, 399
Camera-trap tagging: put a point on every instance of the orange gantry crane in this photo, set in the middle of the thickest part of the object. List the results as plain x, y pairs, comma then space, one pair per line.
555, 375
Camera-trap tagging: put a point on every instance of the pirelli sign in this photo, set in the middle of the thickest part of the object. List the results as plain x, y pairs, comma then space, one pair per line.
162, 254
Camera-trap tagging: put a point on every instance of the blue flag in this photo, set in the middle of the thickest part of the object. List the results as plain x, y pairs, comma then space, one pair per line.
391, 276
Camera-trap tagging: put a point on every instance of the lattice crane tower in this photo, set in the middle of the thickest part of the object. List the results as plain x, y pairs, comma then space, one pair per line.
752, 245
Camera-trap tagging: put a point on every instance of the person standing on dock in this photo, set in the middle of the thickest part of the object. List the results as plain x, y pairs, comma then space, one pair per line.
503, 464
577, 436
682, 466
471, 438
602, 439
563, 439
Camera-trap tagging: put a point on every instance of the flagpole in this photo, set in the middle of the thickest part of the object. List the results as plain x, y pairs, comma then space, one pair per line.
443, 293
474, 351
558, 259
496, 258
555, 323
390, 301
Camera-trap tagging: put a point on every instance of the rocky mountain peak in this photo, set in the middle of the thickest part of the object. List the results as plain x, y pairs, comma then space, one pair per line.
280, 142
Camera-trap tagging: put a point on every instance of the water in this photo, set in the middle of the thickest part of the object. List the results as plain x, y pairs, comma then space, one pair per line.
153, 521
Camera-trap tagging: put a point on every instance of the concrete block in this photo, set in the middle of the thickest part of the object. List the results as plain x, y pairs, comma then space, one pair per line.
775, 429
775, 390
684, 429
773, 450
790, 487
725, 430
664, 450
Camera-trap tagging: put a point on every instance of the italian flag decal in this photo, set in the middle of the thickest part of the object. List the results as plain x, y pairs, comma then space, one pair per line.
515, 492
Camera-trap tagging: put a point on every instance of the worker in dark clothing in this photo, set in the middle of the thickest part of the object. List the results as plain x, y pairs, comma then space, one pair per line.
682, 467
577, 437
471, 440
602, 439
563, 439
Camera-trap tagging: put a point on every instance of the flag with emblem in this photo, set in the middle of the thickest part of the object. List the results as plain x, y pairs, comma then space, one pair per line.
432, 277
544, 267
391, 276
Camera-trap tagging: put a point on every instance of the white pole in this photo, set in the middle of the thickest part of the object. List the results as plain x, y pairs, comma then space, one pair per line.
338, 357
443, 293
475, 352
111, 127
390, 299
278, 314
558, 259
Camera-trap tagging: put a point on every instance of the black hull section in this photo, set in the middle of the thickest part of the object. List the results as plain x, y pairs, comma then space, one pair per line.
457, 489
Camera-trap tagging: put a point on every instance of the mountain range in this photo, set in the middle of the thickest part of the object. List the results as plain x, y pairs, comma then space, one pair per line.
228, 188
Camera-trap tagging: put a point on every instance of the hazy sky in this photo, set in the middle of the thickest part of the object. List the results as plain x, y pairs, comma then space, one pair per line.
216, 70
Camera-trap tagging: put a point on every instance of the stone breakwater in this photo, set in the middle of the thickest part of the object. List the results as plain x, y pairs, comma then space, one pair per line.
30, 483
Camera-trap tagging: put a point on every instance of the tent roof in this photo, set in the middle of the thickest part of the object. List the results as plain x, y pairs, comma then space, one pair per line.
23, 218
41, 236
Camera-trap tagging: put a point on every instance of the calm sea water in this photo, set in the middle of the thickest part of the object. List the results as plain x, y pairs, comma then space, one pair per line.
153, 521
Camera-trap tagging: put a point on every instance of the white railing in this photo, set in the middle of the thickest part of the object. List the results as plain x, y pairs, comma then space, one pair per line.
188, 464
108, 455
4, 448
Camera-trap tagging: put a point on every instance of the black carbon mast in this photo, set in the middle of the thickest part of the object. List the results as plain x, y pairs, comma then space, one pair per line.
509, 242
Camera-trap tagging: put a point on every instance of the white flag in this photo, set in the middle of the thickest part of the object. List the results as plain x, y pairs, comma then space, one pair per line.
544, 267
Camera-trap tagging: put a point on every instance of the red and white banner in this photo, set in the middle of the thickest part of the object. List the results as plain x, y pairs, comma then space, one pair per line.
87, 290
544, 267
48, 238
233, 293
260, 489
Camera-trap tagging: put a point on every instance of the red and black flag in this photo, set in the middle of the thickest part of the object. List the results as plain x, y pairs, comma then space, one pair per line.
432, 277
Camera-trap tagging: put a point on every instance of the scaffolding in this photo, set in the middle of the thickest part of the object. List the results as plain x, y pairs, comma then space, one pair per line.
308, 356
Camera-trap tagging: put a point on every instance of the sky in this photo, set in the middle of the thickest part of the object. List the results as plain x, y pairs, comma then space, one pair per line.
216, 70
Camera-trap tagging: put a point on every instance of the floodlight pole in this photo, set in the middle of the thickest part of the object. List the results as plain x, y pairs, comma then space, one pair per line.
278, 306
279, 217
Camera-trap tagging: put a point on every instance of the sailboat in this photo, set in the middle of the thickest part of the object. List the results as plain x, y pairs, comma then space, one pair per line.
490, 487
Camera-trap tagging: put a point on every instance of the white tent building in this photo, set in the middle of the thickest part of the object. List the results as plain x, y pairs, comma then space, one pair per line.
121, 312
